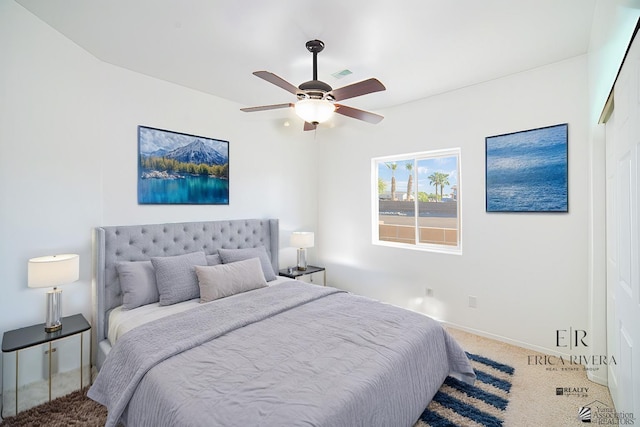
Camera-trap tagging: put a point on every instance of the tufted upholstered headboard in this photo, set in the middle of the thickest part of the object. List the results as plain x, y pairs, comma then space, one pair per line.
141, 242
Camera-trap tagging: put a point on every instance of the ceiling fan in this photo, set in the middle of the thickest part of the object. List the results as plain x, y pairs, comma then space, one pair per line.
316, 99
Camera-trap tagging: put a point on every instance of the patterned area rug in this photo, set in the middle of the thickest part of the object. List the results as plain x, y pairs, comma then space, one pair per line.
482, 404
455, 404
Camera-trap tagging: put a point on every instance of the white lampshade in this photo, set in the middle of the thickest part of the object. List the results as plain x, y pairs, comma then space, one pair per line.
302, 239
314, 110
54, 270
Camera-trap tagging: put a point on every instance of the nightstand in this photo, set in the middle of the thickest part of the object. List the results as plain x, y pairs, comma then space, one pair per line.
295, 273
21, 341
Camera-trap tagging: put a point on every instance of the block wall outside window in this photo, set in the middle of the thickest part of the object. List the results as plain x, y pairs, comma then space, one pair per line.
416, 201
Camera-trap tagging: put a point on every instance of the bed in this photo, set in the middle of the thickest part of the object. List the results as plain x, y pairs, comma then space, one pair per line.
261, 349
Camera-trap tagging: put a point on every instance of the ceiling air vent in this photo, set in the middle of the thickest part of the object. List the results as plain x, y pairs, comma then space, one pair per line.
341, 74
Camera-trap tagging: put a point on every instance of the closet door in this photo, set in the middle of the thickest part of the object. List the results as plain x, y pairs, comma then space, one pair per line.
623, 234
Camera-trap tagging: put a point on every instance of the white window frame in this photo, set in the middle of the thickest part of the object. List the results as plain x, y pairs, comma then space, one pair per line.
375, 207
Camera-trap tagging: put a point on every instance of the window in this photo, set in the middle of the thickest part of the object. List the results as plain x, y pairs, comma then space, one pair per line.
416, 201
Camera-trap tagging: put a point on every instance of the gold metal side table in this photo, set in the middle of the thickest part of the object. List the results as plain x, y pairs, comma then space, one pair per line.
31, 336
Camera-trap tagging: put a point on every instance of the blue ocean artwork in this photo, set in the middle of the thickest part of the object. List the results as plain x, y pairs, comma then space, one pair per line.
177, 168
527, 171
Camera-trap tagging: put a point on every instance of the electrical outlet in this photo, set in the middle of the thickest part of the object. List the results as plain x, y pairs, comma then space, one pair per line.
428, 292
473, 301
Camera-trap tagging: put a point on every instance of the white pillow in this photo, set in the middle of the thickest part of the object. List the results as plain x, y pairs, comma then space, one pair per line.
224, 280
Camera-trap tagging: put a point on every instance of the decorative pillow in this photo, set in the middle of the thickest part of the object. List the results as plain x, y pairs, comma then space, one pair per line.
224, 280
176, 277
213, 259
234, 255
138, 283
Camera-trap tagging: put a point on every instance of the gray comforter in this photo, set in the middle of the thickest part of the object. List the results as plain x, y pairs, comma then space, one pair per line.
292, 354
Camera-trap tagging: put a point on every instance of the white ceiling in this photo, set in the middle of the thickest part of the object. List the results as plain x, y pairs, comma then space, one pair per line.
417, 48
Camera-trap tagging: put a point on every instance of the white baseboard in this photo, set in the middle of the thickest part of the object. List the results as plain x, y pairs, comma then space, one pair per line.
598, 379
506, 340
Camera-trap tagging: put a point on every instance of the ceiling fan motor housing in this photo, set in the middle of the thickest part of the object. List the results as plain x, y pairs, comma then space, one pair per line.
315, 89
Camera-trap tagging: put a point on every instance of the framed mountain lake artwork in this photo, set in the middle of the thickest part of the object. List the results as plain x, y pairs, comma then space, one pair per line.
527, 171
177, 168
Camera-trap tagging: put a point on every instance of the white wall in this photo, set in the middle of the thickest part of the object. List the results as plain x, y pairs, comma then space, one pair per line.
528, 271
68, 147
48, 186
268, 165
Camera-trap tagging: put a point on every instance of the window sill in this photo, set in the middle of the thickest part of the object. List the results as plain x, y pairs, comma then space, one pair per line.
452, 250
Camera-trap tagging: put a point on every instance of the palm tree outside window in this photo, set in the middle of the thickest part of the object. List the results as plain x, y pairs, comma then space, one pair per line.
422, 208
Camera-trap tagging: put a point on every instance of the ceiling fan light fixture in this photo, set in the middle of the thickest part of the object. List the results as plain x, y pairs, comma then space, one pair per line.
314, 111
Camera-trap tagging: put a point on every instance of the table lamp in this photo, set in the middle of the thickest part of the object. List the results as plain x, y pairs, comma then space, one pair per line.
54, 270
302, 240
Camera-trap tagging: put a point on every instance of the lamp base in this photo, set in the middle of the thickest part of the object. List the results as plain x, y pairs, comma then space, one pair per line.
54, 309
54, 328
302, 259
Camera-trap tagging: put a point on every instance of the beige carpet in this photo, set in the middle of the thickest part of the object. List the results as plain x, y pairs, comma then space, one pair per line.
533, 400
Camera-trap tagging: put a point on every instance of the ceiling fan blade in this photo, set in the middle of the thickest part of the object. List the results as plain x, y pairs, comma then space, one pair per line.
266, 107
358, 114
276, 80
309, 126
358, 89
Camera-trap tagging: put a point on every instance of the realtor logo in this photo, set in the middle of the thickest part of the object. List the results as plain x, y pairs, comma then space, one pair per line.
600, 413
572, 391
575, 338
585, 414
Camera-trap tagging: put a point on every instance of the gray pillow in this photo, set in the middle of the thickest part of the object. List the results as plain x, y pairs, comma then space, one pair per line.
224, 280
234, 255
138, 283
213, 259
176, 277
